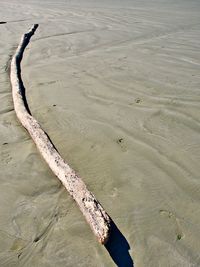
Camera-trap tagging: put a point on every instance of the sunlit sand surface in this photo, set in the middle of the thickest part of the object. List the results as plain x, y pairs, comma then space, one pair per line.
116, 86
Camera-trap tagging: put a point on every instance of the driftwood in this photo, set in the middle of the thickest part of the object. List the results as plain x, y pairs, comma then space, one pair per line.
94, 213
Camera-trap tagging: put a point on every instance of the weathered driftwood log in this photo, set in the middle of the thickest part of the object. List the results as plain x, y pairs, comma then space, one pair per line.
94, 213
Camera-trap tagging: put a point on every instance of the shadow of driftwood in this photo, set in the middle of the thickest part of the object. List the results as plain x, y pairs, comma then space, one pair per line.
118, 248
19, 56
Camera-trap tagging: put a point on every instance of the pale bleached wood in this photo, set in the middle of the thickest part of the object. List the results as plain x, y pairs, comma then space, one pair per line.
94, 213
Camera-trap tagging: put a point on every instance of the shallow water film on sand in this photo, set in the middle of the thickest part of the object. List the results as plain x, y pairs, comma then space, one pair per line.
116, 86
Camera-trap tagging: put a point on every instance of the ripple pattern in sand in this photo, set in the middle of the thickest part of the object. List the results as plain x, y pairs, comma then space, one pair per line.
117, 90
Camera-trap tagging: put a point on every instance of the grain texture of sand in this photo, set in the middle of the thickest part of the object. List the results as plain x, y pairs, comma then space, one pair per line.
116, 85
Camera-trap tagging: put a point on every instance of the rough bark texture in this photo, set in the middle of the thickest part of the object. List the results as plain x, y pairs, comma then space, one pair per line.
94, 213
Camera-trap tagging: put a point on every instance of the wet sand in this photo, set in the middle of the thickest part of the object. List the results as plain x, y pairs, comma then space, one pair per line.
116, 87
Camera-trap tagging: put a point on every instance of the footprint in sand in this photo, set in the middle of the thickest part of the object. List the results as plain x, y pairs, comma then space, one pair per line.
172, 216
136, 101
6, 158
5, 144
121, 143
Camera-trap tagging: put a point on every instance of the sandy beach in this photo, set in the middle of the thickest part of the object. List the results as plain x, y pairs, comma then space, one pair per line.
116, 85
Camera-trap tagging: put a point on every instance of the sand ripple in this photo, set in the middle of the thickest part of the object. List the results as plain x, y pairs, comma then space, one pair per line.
117, 89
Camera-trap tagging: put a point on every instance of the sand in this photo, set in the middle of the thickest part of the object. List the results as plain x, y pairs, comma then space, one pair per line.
115, 84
